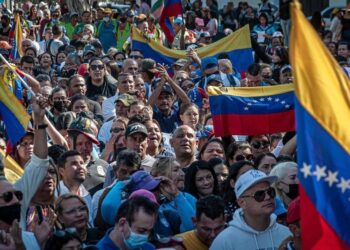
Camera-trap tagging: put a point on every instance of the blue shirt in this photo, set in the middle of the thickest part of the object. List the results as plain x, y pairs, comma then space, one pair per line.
107, 244
107, 35
167, 123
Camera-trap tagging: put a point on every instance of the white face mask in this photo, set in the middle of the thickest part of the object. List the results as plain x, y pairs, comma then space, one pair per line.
86, 37
106, 19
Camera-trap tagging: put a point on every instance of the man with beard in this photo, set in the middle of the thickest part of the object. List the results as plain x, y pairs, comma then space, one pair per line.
136, 138
77, 85
81, 137
184, 143
72, 169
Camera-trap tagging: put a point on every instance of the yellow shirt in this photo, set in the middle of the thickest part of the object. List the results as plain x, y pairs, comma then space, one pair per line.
191, 241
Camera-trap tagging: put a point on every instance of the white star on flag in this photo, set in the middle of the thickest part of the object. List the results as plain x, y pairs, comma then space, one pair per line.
255, 101
249, 104
331, 178
344, 185
306, 170
277, 100
269, 99
283, 102
246, 108
262, 99
287, 106
319, 172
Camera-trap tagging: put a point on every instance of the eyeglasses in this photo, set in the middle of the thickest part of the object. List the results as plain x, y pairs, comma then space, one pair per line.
260, 195
136, 57
96, 67
66, 231
8, 196
244, 157
260, 144
116, 130
26, 144
75, 210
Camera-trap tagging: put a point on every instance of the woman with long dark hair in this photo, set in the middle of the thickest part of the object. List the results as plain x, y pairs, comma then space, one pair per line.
200, 180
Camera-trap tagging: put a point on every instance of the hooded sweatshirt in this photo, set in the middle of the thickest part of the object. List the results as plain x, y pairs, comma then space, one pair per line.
239, 235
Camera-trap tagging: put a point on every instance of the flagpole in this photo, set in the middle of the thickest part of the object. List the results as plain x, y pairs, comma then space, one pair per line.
19, 77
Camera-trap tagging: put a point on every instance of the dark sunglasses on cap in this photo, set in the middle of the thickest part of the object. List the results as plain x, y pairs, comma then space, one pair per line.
244, 157
8, 196
260, 144
96, 67
260, 195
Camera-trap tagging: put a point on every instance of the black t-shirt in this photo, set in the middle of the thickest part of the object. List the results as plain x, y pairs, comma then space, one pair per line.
107, 89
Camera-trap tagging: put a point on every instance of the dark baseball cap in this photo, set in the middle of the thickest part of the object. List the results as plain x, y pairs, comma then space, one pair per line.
136, 128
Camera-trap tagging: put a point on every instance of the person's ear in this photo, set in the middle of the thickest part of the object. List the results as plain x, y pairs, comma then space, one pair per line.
232, 183
241, 203
121, 225
61, 171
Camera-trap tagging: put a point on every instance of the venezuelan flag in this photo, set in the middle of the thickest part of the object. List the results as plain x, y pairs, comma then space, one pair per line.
16, 37
252, 111
322, 119
172, 8
237, 46
13, 114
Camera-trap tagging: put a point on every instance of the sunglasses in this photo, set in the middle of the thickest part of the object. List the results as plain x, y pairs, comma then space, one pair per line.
116, 130
8, 196
67, 231
244, 157
260, 144
260, 195
96, 67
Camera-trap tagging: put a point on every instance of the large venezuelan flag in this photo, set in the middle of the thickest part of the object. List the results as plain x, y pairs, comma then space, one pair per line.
237, 46
323, 119
16, 37
13, 114
252, 111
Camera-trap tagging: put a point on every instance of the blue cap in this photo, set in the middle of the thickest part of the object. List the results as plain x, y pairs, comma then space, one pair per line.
178, 20
209, 62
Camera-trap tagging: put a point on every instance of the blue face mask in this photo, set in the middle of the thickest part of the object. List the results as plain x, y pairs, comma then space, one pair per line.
54, 20
135, 240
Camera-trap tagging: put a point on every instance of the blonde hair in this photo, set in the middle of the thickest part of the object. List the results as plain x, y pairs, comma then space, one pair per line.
280, 170
226, 63
64, 197
162, 167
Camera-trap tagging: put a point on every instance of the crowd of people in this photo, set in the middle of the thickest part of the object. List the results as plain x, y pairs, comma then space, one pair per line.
121, 151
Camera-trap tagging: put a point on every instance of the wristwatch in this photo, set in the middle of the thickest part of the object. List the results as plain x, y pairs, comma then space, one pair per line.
41, 126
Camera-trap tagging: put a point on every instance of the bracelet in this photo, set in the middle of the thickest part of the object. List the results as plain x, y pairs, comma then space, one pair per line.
41, 126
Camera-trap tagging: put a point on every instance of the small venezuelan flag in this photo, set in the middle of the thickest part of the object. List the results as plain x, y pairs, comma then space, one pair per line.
252, 111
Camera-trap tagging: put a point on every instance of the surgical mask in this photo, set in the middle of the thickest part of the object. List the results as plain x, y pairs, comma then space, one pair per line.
135, 240
54, 20
60, 106
106, 19
293, 191
85, 37
10, 213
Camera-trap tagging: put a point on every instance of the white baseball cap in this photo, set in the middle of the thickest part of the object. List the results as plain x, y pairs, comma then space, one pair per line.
249, 179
